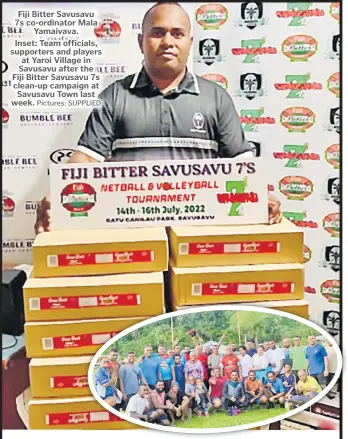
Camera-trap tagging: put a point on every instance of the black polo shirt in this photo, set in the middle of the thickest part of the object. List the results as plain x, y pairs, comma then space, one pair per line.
136, 121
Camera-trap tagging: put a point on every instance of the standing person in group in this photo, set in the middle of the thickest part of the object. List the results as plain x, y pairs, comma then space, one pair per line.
105, 381
233, 394
187, 351
274, 390
250, 345
214, 358
203, 358
177, 351
298, 356
149, 365
234, 348
230, 363
332, 359
216, 383
289, 382
131, 376
178, 372
246, 362
286, 350
260, 364
276, 358
254, 390
307, 388
165, 99
161, 352
193, 367
165, 365
317, 361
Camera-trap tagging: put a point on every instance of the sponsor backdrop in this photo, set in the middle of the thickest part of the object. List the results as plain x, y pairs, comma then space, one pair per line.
279, 62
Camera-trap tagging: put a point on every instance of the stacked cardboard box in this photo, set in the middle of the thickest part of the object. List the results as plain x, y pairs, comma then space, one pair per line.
258, 264
71, 314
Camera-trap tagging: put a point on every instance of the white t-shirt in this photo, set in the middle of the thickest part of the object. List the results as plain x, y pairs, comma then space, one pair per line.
246, 363
275, 356
332, 358
137, 404
260, 362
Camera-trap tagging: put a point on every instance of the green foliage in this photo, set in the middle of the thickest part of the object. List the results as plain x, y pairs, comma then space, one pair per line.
238, 325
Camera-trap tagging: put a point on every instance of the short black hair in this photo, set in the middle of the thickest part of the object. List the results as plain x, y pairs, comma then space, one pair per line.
251, 340
147, 13
270, 372
131, 353
177, 355
242, 347
114, 350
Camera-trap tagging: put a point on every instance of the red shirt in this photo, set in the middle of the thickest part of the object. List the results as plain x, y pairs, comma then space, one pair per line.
187, 357
230, 363
217, 388
203, 358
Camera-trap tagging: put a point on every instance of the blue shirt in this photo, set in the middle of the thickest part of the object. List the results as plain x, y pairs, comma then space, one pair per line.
150, 368
289, 382
251, 352
165, 367
277, 386
102, 376
315, 356
131, 376
180, 375
287, 359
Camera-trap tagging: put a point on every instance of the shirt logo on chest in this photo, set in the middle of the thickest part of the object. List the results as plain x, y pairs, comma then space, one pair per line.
198, 123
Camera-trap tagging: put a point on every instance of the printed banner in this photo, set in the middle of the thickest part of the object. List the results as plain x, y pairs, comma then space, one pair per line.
195, 192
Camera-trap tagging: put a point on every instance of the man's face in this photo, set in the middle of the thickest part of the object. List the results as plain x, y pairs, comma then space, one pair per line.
177, 349
233, 346
160, 386
287, 368
234, 376
193, 356
161, 350
271, 376
187, 349
175, 389
297, 341
131, 358
272, 345
302, 375
112, 356
242, 352
170, 353
105, 362
249, 345
166, 40
198, 350
215, 350
216, 373
252, 376
312, 340
260, 350
228, 350
266, 345
177, 359
286, 343
143, 392
148, 352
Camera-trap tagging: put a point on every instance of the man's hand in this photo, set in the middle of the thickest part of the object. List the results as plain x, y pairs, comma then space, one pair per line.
274, 213
124, 397
326, 373
43, 216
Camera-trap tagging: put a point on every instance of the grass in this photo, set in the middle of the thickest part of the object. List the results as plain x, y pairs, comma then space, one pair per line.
221, 419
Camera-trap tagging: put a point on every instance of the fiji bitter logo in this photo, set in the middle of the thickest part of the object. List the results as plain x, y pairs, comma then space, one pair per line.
331, 223
332, 155
333, 84
211, 16
299, 48
294, 154
331, 290
252, 49
78, 199
297, 85
334, 10
307, 253
299, 12
297, 119
296, 187
218, 79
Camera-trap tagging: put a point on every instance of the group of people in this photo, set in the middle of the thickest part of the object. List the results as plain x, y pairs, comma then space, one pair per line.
171, 384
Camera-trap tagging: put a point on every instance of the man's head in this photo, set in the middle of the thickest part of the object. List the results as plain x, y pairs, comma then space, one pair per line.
193, 356
252, 375
177, 358
170, 352
215, 349
260, 350
105, 362
161, 350
250, 344
234, 376
131, 357
272, 344
242, 350
229, 349
297, 340
166, 39
143, 391
312, 340
191, 379
302, 375
271, 376
286, 343
160, 386
216, 372
287, 368
266, 346
174, 387
147, 351
233, 345
207, 350
112, 355
199, 350
177, 349
187, 349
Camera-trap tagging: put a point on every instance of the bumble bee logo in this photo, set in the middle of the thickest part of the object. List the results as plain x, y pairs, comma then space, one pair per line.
255, 148
211, 16
218, 79
251, 15
297, 119
331, 257
299, 48
296, 187
209, 50
331, 224
334, 10
331, 290
332, 322
334, 51
307, 254
250, 85
335, 120
8, 206
333, 84
332, 190
332, 155
78, 199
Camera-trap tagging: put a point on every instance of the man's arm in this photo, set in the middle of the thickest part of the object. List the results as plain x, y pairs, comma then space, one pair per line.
137, 416
221, 340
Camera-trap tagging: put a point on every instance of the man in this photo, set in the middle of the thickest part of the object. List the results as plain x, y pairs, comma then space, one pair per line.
266, 346
178, 372
216, 383
274, 390
230, 363
105, 381
250, 348
289, 382
253, 389
203, 358
317, 361
306, 389
177, 351
164, 99
187, 351
162, 353
233, 393
131, 376
260, 364
286, 350
246, 363
166, 363
276, 358
138, 405
149, 366
193, 367
214, 358
234, 348
177, 403
158, 402
298, 356
112, 355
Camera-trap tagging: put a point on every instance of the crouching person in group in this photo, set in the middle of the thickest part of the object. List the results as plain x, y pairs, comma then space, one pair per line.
274, 390
177, 404
306, 389
233, 394
254, 390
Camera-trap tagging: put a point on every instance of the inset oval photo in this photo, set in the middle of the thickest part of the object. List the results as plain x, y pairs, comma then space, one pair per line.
215, 369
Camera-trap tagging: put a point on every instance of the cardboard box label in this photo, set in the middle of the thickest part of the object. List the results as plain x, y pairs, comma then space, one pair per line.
80, 418
221, 248
68, 382
73, 302
210, 289
120, 257
74, 341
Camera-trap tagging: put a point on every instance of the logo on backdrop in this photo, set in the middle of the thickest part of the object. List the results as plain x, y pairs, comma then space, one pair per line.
299, 12
255, 148
11, 31
332, 155
334, 10
331, 257
60, 156
295, 154
218, 79
334, 120
111, 70
333, 84
31, 207
250, 85
297, 85
299, 219
297, 119
8, 205
332, 191
307, 254
251, 15
334, 47
331, 223
299, 48
5, 118
209, 50
236, 195
17, 245
13, 162
252, 118
211, 16
78, 199
136, 27
46, 118
296, 187
332, 322
4, 67
108, 30
253, 49
331, 290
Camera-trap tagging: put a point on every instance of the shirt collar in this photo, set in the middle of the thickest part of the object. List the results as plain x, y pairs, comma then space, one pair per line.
189, 83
